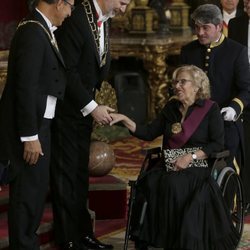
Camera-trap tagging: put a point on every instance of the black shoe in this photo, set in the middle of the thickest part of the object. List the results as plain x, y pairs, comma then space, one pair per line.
91, 243
141, 245
72, 246
68, 245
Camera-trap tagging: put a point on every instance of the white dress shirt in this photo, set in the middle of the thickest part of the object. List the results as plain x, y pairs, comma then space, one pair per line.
227, 17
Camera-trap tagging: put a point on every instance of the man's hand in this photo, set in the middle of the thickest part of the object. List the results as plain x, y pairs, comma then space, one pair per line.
32, 150
228, 113
101, 114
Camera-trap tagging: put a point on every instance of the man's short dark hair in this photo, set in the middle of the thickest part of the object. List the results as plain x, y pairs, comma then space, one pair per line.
207, 13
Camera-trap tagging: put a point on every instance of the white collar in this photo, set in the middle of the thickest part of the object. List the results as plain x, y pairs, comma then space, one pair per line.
227, 17
101, 17
48, 22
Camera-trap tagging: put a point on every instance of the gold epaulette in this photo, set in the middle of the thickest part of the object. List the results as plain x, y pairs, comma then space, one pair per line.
240, 103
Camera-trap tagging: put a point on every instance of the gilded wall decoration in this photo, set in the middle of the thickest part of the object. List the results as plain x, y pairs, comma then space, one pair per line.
3, 69
105, 96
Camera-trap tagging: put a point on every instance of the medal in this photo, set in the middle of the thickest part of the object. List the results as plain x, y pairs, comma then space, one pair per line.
176, 128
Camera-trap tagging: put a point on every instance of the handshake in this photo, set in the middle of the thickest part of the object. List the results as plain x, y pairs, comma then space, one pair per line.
229, 114
104, 115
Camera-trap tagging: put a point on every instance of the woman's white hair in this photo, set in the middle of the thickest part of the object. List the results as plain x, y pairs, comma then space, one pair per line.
199, 79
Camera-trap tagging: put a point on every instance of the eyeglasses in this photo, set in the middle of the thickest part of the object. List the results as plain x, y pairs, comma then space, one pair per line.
72, 6
182, 82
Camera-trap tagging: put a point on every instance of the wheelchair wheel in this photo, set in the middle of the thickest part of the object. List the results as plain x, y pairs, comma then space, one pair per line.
232, 191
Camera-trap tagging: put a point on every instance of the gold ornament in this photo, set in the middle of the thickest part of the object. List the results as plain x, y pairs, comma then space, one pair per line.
176, 128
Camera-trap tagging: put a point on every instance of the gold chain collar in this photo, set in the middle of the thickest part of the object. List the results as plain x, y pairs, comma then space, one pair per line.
52, 40
95, 32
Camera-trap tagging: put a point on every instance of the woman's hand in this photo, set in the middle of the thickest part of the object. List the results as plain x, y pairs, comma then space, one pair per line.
182, 162
101, 114
127, 122
116, 118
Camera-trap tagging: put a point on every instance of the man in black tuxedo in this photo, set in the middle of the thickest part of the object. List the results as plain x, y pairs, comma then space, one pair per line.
83, 40
239, 30
226, 64
229, 10
36, 79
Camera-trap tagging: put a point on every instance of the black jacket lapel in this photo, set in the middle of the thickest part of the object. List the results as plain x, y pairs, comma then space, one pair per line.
90, 11
37, 17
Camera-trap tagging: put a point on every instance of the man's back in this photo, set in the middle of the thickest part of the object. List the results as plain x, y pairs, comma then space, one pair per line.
238, 29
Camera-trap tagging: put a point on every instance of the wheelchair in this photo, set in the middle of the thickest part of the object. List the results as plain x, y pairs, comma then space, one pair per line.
226, 177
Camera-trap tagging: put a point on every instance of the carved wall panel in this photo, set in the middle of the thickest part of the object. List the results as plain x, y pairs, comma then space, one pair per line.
3, 69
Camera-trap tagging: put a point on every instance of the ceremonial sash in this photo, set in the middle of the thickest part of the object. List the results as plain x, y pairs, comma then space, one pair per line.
189, 125
225, 29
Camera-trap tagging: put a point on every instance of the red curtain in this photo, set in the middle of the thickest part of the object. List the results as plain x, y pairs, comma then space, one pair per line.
11, 12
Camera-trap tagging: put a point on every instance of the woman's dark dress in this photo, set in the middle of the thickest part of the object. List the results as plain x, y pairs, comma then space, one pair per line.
185, 209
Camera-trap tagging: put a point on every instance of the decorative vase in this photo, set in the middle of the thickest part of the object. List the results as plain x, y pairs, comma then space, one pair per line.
101, 158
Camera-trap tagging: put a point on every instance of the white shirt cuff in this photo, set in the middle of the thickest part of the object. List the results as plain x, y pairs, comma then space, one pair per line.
50, 107
29, 138
89, 108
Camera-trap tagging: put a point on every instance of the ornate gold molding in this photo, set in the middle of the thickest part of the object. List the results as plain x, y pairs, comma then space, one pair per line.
154, 62
105, 96
3, 69
153, 50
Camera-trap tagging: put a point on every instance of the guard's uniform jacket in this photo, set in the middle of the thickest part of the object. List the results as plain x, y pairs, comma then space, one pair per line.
226, 64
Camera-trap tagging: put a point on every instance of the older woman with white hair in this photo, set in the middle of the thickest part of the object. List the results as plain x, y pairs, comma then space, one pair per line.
185, 208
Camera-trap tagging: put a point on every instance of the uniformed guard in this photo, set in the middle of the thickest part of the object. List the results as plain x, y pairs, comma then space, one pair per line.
226, 64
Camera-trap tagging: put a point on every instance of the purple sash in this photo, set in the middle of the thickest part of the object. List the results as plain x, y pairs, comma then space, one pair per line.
189, 125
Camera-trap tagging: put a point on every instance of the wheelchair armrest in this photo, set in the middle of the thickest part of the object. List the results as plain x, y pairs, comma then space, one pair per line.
219, 163
152, 155
150, 151
222, 154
